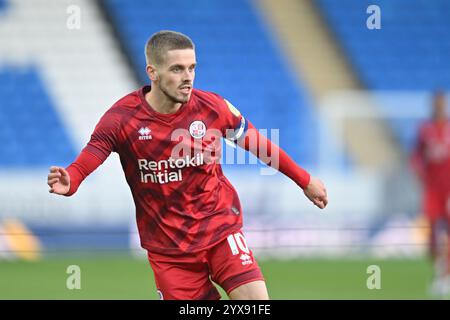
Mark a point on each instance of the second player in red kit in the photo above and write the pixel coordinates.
(431, 161)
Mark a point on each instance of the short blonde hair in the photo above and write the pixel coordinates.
(163, 41)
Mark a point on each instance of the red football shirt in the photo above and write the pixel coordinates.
(432, 155)
(184, 203)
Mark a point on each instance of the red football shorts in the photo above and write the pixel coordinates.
(436, 204)
(230, 264)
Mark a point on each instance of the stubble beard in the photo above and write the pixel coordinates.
(171, 97)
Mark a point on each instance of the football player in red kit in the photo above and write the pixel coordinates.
(189, 216)
(431, 162)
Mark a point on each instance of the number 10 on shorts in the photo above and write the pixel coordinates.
(236, 242)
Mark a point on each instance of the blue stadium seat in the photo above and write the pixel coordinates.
(411, 51)
(31, 133)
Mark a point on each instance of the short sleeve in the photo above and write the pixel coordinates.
(104, 138)
(234, 124)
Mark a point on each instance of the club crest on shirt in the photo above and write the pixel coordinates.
(197, 129)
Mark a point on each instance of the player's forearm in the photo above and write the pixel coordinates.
(417, 164)
(274, 156)
(83, 166)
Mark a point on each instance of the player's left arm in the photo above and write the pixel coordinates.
(245, 135)
(277, 158)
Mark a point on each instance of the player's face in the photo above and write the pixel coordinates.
(440, 107)
(176, 75)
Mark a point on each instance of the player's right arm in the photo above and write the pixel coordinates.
(58, 180)
(417, 159)
(65, 181)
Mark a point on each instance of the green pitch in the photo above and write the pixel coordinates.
(124, 277)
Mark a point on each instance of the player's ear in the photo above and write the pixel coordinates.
(151, 72)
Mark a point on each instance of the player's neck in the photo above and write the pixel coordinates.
(440, 120)
(160, 102)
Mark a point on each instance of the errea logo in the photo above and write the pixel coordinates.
(246, 259)
(145, 133)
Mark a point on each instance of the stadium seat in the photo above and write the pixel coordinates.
(409, 52)
(31, 134)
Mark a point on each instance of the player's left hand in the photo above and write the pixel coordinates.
(317, 193)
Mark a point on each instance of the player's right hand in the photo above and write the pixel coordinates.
(58, 180)
(316, 192)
